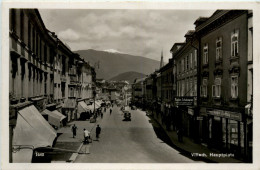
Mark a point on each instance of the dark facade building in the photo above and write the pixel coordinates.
(223, 40)
(167, 93)
(214, 66)
(185, 59)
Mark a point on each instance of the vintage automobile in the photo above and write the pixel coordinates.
(127, 115)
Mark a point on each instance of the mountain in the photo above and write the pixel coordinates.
(128, 76)
(113, 64)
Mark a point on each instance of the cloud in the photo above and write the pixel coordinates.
(138, 32)
(69, 35)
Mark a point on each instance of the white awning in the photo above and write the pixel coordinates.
(60, 115)
(82, 107)
(31, 131)
(54, 117)
(98, 104)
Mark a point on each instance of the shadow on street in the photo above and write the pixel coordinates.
(161, 134)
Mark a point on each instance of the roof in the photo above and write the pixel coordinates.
(189, 33)
(176, 47)
(200, 20)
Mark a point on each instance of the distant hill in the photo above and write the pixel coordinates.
(113, 64)
(128, 76)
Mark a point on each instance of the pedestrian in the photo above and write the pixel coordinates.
(110, 111)
(105, 109)
(98, 130)
(101, 115)
(74, 130)
(86, 136)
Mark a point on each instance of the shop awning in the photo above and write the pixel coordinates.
(82, 107)
(98, 104)
(58, 114)
(31, 131)
(54, 117)
(91, 107)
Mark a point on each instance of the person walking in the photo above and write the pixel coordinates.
(74, 130)
(98, 131)
(110, 111)
(86, 136)
(101, 115)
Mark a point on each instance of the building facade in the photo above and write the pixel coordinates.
(185, 59)
(44, 74)
(223, 68)
(167, 93)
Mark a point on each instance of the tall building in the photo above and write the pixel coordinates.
(45, 78)
(224, 46)
(185, 59)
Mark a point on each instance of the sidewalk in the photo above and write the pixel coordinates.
(70, 145)
(192, 150)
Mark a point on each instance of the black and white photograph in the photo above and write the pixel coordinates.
(129, 84)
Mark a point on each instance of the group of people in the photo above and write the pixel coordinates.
(87, 137)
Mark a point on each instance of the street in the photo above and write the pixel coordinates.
(128, 142)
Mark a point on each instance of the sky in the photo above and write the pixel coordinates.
(143, 33)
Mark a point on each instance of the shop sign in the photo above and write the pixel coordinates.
(226, 114)
(191, 111)
(184, 101)
(199, 118)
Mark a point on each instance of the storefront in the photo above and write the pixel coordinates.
(226, 131)
(83, 111)
(55, 118)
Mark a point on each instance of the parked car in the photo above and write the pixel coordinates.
(127, 115)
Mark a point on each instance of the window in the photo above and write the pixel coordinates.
(191, 61)
(29, 34)
(191, 88)
(45, 53)
(195, 58)
(187, 63)
(203, 88)
(218, 49)
(216, 88)
(13, 20)
(183, 65)
(205, 54)
(182, 87)
(234, 43)
(234, 87)
(22, 25)
(187, 87)
(71, 92)
(195, 87)
(63, 89)
(179, 67)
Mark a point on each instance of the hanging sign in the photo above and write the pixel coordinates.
(184, 101)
